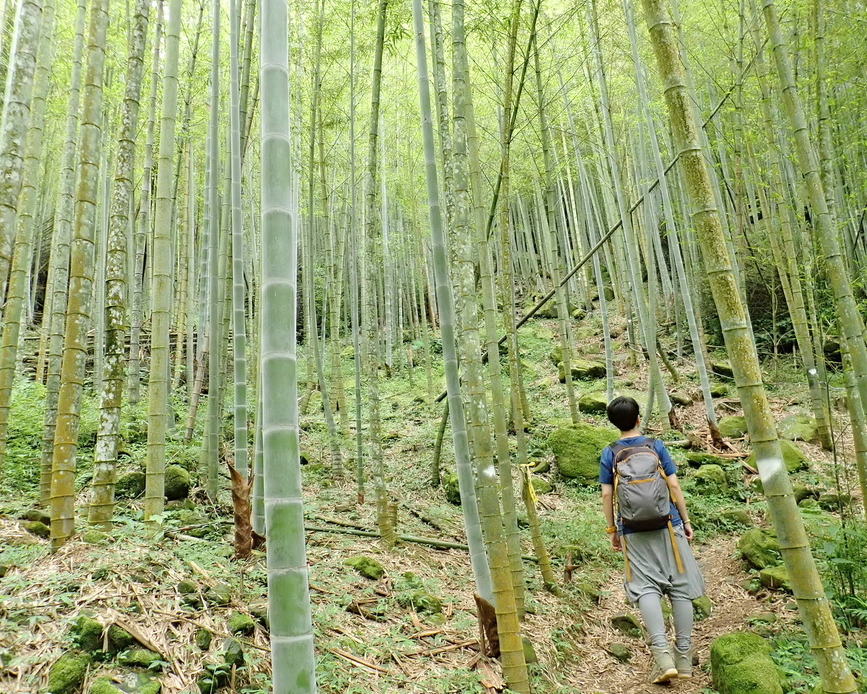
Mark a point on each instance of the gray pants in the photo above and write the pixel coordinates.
(650, 605)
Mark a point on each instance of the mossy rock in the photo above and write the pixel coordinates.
(421, 601)
(181, 505)
(94, 537)
(702, 607)
(4, 569)
(37, 528)
(130, 485)
(556, 354)
(220, 594)
(139, 657)
(628, 624)
(583, 370)
(542, 486)
(820, 524)
(87, 633)
(178, 482)
(103, 685)
(233, 653)
(832, 501)
(711, 479)
(802, 491)
(699, 458)
(763, 618)
(530, 656)
(452, 488)
(775, 578)
(259, 612)
(680, 398)
(36, 514)
(619, 651)
(119, 639)
(577, 448)
(722, 368)
(760, 548)
(593, 403)
(793, 457)
(718, 390)
(734, 427)
(741, 664)
(204, 639)
(240, 623)
(68, 672)
(736, 516)
(367, 567)
(799, 427)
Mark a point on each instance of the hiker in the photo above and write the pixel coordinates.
(652, 529)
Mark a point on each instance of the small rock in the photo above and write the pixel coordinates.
(4, 569)
(119, 639)
(94, 537)
(530, 656)
(775, 578)
(240, 623)
(680, 398)
(583, 369)
(421, 601)
(103, 685)
(367, 567)
(620, 651)
(763, 618)
(718, 390)
(541, 486)
(181, 505)
(722, 368)
(736, 516)
(233, 653)
(203, 639)
(213, 678)
(627, 624)
(186, 587)
(452, 488)
(802, 491)
(138, 657)
(733, 427)
(220, 594)
(799, 427)
(130, 485)
(793, 457)
(260, 614)
(542, 465)
(68, 672)
(702, 607)
(177, 482)
(37, 514)
(711, 479)
(760, 548)
(87, 633)
(37, 528)
(699, 458)
(593, 403)
(832, 501)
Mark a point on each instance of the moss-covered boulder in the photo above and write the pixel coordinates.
(734, 427)
(722, 368)
(577, 448)
(619, 651)
(593, 403)
(139, 657)
(178, 482)
(542, 486)
(452, 488)
(583, 370)
(37, 528)
(760, 548)
(802, 491)
(627, 624)
(820, 524)
(530, 656)
(699, 458)
(556, 354)
(86, 633)
(798, 427)
(220, 594)
(736, 516)
(741, 664)
(718, 390)
(103, 685)
(711, 479)
(240, 623)
(702, 607)
(421, 601)
(367, 567)
(203, 639)
(833, 501)
(67, 674)
(793, 457)
(680, 398)
(775, 578)
(130, 485)
(233, 653)
(119, 639)
(36, 514)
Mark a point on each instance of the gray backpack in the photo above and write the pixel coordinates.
(640, 487)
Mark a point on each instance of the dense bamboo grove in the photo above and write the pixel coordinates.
(175, 225)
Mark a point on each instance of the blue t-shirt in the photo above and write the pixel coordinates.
(606, 471)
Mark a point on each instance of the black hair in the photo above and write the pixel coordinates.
(623, 412)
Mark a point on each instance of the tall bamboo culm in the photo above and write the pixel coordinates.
(806, 585)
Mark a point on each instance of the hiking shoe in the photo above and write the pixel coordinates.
(663, 666)
(683, 663)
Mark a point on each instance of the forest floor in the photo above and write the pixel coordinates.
(167, 585)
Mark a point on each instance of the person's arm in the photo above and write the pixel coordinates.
(608, 511)
(680, 502)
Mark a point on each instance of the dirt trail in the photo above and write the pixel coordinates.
(600, 673)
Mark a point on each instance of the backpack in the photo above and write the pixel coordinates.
(640, 488)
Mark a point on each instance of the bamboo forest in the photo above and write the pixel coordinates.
(329, 329)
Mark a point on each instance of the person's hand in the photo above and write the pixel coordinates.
(688, 531)
(615, 542)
